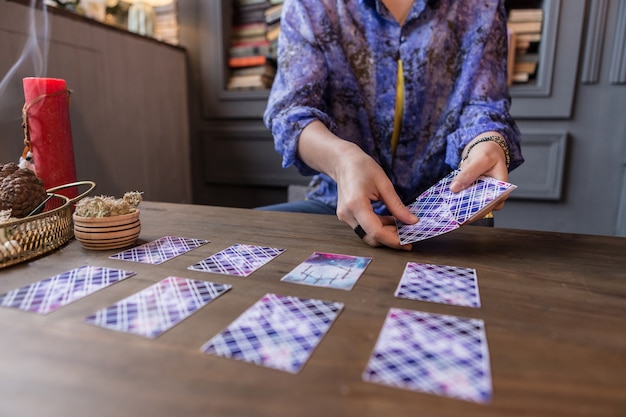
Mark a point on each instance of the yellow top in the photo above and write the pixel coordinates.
(397, 121)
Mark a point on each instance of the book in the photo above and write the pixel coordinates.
(249, 81)
(272, 14)
(247, 61)
(525, 27)
(525, 15)
(246, 2)
(263, 47)
(521, 77)
(269, 69)
(272, 32)
(528, 37)
(527, 67)
(250, 13)
(249, 30)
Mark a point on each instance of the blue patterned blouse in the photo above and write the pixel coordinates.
(337, 63)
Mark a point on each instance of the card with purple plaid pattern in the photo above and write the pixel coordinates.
(240, 260)
(278, 332)
(440, 210)
(160, 250)
(439, 284)
(158, 308)
(431, 353)
(50, 294)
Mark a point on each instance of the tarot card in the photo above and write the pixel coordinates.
(158, 308)
(240, 260)
(278, 332)
(439, 284)
(432, 353)
(50, 294)
(329, 270)
(160, 250)
(441, 211)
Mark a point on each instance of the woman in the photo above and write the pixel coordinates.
(379, 99)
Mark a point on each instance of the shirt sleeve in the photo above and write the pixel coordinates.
(484, 78)
(297, 97)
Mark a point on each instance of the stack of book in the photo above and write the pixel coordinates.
(166, 23)
(254, 39)
(524, 26)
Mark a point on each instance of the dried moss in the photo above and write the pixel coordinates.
(108, 206)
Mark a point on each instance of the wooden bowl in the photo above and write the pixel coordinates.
(103, 233)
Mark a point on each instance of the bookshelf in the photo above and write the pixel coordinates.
(253, 44)
(549, 91)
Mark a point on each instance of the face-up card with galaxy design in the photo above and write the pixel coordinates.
(160, 250)
(439, 284)
(239, 259)
(431, 353)
(156, 309)
(440, 210)
(50, 294)
(278, 332)
(329, 270)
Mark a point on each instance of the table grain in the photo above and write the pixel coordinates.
(554, 307)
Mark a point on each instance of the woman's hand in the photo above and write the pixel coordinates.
(360, 180)
(485, 158)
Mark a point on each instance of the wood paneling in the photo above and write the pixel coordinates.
(541, 177)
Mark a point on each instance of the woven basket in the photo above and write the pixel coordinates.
(36, 235)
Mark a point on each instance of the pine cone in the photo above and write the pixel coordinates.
(20, 190)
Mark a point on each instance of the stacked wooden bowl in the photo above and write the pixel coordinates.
(102, 233)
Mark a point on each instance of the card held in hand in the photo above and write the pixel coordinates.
(278, 332)
(440, 210)
(431, 353)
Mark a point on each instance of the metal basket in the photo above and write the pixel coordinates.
(38, 234)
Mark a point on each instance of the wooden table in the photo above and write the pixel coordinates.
(554, 307)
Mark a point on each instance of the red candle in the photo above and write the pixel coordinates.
(48, 116)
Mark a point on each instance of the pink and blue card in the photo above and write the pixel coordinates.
(278, 332)
(239, 260)
(48, 295)
(441, 211)
(329, 270)
(432, 353)
(158, 308)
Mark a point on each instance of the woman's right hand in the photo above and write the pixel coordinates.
(360, 180)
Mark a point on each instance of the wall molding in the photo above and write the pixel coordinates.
(617, 75)
(593, 41)
(542, 175)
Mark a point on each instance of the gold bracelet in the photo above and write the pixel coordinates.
(496, 139)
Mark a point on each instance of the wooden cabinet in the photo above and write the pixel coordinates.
(572, 129)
